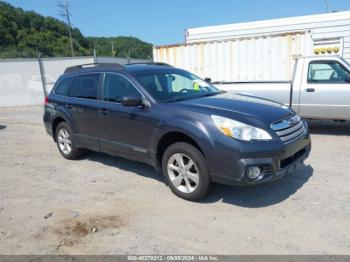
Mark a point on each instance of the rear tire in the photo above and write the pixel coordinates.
(65, 142)
(186, 172)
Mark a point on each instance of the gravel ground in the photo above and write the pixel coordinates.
(107, 205)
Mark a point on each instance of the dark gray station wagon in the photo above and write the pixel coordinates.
(181, 125)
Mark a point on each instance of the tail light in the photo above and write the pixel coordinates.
(46, 100)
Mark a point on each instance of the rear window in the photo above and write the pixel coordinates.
(85, 86)
(63, 86)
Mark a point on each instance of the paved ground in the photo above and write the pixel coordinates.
(106, 205)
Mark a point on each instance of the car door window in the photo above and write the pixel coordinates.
(63, 86)
(85, 86)
(116, 87)
(327, 72)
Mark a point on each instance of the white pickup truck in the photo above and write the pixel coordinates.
(320, 88)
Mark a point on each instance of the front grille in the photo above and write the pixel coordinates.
(289, 128)
(291, 159)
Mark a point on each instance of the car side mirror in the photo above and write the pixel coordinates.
(207, 79)
(132, 101)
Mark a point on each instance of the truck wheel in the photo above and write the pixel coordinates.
(186, 172)
(65, 142)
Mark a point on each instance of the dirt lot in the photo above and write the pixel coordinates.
(106, 205)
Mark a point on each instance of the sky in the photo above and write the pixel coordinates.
(164, 21)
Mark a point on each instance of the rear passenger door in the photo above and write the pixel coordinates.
(82, 107)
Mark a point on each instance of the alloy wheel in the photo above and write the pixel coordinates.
(64, 141)
(183, 173)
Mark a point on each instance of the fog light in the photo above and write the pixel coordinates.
(254, 173)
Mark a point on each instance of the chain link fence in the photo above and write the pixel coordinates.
(24, 82)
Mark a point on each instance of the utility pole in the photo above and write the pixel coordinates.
(113, 52)
(128, 56)
(65, 13)
(95, 57)
(327, 6)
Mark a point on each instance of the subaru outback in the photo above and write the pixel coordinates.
(176, 122)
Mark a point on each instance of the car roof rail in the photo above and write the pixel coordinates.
(150, 63)
(78, 67)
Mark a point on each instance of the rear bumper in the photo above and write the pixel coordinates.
(48, 128)
(275, 163)
(47, 121)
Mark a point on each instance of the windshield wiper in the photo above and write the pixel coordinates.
(211, 94)
(177, 98)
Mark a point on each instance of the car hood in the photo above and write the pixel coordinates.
(239, 106)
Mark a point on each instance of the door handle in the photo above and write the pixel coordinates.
(69, 106)
(310, 89)
(103, 111)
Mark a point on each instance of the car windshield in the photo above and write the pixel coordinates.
(175, 85)
(347, 63)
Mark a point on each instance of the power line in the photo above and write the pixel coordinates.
(108, 28)
(87, 20)
(97, 24)
(94, 23)
(65, 13)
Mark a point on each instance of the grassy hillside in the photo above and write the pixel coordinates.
(25, 33)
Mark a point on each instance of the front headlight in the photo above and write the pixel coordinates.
(238, 130)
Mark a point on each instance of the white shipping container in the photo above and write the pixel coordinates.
(261, 50)
(255, 58)
(329, 32)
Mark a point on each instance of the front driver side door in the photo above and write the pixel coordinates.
(325, 92)
(123, 129)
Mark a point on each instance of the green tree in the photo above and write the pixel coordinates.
(123, 46)
(26, 33)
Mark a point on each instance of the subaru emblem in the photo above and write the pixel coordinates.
(293, 120)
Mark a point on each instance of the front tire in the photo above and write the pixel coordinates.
(65, 142)
(185, 170)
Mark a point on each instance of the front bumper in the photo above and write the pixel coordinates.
(275, 159)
